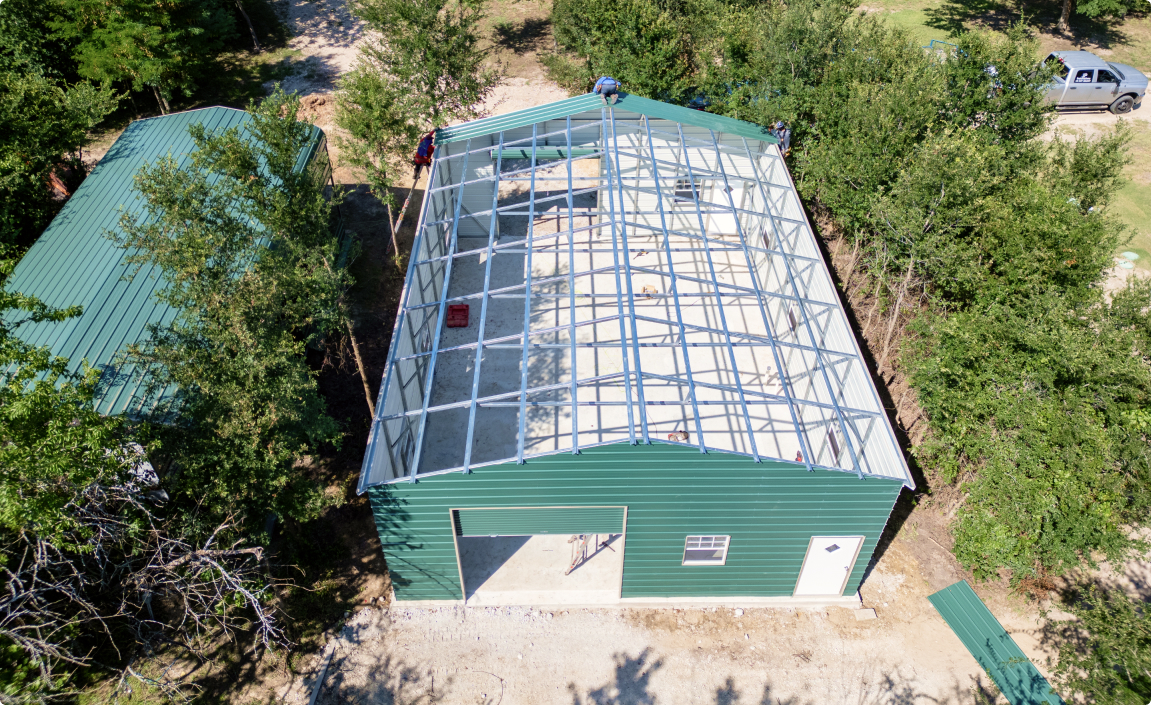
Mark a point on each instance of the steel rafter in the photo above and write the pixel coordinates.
(571, 294)
(492, 227)
(527, 309)
(642, 142)
(714, 278)
(439, 329)
(807, 327)
(679, 320)
(618, 287)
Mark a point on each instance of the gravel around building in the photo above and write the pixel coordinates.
(514, 655)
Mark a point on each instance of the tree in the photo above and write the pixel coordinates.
(27, 44)
(162, 46)
(651, 47)
(243, 241)
(43, 127)
(1093, 9)
(424, 69)
(1105, 653)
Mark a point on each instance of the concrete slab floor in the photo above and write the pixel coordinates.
(529, 570)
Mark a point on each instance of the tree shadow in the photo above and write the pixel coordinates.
(522, 37)
(957, 16)
(631, 685)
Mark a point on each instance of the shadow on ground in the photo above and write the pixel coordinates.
(957, 16)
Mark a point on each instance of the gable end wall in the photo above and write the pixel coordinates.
(770, 510)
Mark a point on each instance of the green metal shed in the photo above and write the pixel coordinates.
(656, 389)
(75, 263)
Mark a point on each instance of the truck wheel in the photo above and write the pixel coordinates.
(1123, 105)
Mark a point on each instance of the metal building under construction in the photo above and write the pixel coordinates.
(653, 393)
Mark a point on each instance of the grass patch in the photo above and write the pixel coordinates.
(1132, 204)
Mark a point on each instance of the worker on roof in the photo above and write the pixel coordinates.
(423, 155)
(607, 87)
(782, 133)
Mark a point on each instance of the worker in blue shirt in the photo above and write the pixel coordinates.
(607, 87)
(782, 133)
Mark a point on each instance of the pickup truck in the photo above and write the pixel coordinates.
(1084, 81)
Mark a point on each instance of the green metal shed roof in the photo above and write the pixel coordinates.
(75, 263)
(993, 647)
(592, 101)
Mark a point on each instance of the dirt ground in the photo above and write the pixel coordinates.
(514, 655)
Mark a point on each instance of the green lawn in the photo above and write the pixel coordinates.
(1133, 203)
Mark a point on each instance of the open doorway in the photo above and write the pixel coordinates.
(580, 569)
(540, 555)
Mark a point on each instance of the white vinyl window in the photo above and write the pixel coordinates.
(705, 550)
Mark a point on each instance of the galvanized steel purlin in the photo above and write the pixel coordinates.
(378, 426)
(618, 288)
(506, 338)
(714, 280)
(554, 236)
(439, 330)
(571, 293)
(483, 310)
(807, 326)
(744, 289)
(502, 395)
(522, 439)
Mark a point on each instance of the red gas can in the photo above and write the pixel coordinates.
(457, 316)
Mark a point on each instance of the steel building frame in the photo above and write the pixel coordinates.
(626, 174)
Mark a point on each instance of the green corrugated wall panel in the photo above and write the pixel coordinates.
(770, 510)
(592, 102)
(528, 521)
(74, 263)
(993, 648)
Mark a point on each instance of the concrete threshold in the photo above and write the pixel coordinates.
(781, 602)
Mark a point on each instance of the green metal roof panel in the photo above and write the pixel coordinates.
(993, 648)
(75, 263)
(592, 101)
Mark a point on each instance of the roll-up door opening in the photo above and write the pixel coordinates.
(540, 555)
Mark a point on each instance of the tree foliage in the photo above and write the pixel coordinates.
(162, 46)
(243, 241)
(1033, 384)
(43, 126)
(423, 69)
(1105, 653)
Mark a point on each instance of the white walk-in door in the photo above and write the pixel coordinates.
(828, 562)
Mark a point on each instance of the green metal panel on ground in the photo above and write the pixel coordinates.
(770, 509)
(592, 102)
(75, 263)
(993, 648)
(532, 521)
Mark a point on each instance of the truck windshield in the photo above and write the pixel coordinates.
(1117, 72)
